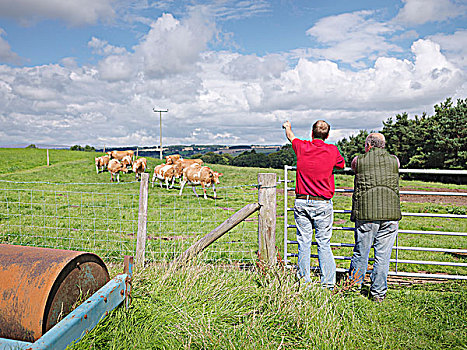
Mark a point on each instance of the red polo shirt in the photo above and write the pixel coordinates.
(315, 162)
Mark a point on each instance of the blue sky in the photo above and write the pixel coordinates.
(230, 72)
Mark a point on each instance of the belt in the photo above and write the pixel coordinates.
(310, 197)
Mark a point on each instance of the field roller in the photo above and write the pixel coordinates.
(40, 286)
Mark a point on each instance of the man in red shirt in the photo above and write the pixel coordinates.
(313, 205)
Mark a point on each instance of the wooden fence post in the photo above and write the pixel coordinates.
(142, 219)
(47, 157)
(267, 218)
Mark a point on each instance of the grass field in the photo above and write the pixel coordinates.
(210, 306)
(202, 306)
(68, 205)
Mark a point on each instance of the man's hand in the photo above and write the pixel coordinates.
(288, 131)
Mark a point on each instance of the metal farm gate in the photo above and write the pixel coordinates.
(435, 251)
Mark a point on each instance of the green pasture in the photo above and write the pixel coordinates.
(218, 306)
(68, 205)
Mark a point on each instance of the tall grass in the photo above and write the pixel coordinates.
(207, 307)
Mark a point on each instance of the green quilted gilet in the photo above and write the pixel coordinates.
(376, 187)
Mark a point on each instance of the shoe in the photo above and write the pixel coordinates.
(378, 299)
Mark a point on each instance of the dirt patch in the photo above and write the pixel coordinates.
(436, 199)
(460, 200)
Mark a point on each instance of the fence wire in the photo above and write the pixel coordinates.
(105, 221)
(176, 222)
(102, 223)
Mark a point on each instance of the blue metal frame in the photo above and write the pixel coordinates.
(84, 318)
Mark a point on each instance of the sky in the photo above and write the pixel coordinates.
(92, 72)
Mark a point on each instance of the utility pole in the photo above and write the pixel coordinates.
(160, 127)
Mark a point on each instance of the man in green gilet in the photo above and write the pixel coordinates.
(376, 211)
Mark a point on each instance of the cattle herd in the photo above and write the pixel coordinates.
(187, 171)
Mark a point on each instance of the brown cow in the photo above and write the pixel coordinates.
(127, 161)
(185, 163)
(120, 154)
(172, 158)
(200, 175)
(139, 166)
(164, 172)
(101, 163)
(115, 167)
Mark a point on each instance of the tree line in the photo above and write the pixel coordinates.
(424, 142)
(86, 148)
(252, 158)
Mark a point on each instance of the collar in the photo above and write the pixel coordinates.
(318, 142)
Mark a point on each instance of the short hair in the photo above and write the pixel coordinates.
(321, 130)
(375, 139)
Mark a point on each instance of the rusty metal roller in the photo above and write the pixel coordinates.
(40, 286)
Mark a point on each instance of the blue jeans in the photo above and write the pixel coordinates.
(315, 214)
(381, 234)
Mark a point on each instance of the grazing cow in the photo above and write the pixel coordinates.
(139, 166)
(172, 158)
(101, 163)
(120, 154)
(200, 175)
(181, 164)
(164, 172)
(127, 161)
(115, 167)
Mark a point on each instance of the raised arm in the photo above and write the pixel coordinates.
(288, 131)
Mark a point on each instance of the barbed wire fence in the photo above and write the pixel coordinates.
(103, 219)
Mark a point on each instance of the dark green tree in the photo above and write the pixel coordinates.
(196, 156)
(88, 148)
(402, 137)
(251, 159)
(445, 145)
(285, 156)
(352, 147)
(214, 158)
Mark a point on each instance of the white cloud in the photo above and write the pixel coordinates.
(222, 97)
(102, 47)
(390, 81)
(6, 55)
(455, 46)
(172, 46)
(114, 68)
(351, 38)
(225, 10)
(70, 11)
(416, 12)
(248, 67)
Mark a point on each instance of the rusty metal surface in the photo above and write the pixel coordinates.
(40, 286)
